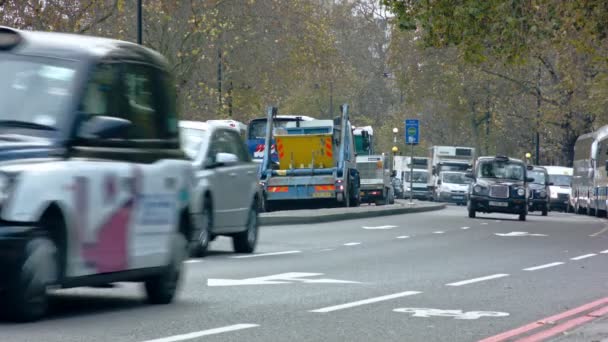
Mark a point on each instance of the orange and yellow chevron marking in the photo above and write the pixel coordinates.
(278, 188)
(325, 187)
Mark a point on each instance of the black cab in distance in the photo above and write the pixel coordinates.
(500, 185)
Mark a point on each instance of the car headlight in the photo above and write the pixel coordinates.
(408, 189)
(521, 192)
(477, 189)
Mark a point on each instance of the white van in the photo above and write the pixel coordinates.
(560, 177)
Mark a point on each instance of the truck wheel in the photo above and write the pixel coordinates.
(522, 216)
(161, 288)
(545, 212)
(26, 299)
(245, 241)
(203, 235)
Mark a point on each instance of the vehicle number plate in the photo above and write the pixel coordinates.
(499, 204)
(458, 197)
(323, 194)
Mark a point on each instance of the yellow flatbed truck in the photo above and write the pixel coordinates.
(316, 162)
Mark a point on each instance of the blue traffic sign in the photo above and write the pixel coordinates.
(412, 131)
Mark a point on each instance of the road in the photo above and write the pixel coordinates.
(357, 281)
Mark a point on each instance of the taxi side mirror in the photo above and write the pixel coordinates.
(529, 180)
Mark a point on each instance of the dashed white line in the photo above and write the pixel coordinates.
(476, 280)
(403, 237)
(327, 250)
(379, 227)
(197, 334)
(540, 267)
(604, 252)
(265, 254)
(365, 301)
(484, 223)
(580, 257)
(439, 232)
(352, 243)
(192, 261)
(465, 228)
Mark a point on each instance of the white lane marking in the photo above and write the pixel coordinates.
(265, 254)
(518, 234)
(327, 250)
(202, 333)
(604, 252)
(365, 301)
(580, 257)
(456, 314)
(403, 237)
(484, 223)
(476, 280)
(379, 227)
(465, 228)
(352, 243)
(282, 278)
(192, 261)
(540, 267)
(600, 232)
(439, 232)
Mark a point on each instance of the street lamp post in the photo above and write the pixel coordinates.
(139, 22)
(395, 149)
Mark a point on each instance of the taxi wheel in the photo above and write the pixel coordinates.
(245, 241)
(472, 213)
(26, 300)
(545, 211)
(161, 288)
(522, 216)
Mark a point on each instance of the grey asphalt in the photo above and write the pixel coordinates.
(420, 252)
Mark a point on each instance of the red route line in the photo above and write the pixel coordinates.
(543, 322)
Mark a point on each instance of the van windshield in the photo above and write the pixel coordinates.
(560, 180)
(539, 176)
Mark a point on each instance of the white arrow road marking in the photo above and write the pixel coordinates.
(352, 243)
(580, 257)
(518, 234)
(366, 301)
(476, 280)
(264, 254)
(456, 314)
(282, 278)
(379, 227)
(202, 333)
(553, 264)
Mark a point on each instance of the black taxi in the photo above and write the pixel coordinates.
(500, 184)
(539, 190)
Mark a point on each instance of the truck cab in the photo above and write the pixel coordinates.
(375, 180)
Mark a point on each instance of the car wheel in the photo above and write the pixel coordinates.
(203, 236)
(26, 299)
(161, 288)
(245, 242)
(522, 216)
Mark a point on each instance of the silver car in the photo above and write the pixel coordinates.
(225, 199)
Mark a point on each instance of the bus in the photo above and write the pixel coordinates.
(589, 181)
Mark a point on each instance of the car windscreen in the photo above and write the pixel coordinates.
(35, 92)
(455, 178)
(560, 180)
(419, 177)
(501, 169)
(191, 140)
(539, 176)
